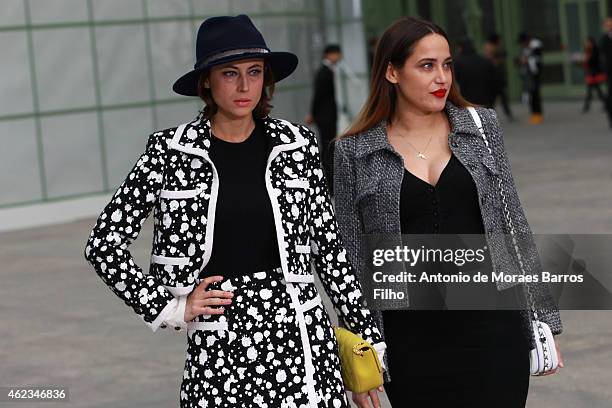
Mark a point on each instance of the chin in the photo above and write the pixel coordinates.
(439, 105)
(239, 113)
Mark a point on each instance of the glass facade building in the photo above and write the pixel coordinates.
(84, 82)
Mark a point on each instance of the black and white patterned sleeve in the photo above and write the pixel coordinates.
(119, 225)
(334, 270)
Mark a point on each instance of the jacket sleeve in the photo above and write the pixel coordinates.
(334, 270)
(119, 225)
(349, 222)
(544, 303)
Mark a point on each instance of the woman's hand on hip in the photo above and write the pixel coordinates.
(202, 301)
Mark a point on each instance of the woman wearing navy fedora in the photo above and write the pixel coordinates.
(241, 211)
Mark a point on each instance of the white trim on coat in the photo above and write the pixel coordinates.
(207, 326)
(310, 304)
(299, 278)
(212, 203)
(169, 260)
(280, 235)
(174, 143)
(210, 219)
(308, 366)
(177, 194)
(302, 249)
(297, 183)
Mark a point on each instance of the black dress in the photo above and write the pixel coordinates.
(458, 358)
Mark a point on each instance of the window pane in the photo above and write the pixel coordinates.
(543, 24)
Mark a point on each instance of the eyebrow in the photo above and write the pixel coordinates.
(434, 59)
(256, 65)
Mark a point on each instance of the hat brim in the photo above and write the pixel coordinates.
(281, 63)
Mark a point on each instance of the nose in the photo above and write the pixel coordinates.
(243, 84)
(442, 75)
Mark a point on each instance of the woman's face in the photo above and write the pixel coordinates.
(236, 86)
(426, 77)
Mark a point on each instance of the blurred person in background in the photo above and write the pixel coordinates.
(594, 75)
(414, 162)
(493, 50)
(530, 62)
(239, 198)
(476, 75)
(324, 108)
(606, 53)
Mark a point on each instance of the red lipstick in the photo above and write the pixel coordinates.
(439, 93)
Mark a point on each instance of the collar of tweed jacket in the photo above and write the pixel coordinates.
(375, 139)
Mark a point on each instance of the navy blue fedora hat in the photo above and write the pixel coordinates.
(224, 39)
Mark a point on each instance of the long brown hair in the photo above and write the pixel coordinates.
(263, 107)
(395, 46)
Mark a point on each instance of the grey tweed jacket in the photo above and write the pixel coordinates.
(367, 180)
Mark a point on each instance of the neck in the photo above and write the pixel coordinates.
(232, 129)
(409, 120)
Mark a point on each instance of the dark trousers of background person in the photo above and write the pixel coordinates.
(535, 98)
(327, 132)
(589, 94)
(609, 104)
(503, 98)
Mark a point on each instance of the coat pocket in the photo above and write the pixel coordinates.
(366, 203)
(302, 183)
(175, 273)
(179, 194)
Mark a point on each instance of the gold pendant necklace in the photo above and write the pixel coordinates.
(419, 154)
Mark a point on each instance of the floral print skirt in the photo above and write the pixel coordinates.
(274, 346)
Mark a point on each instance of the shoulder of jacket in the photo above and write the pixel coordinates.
(302, 130)
(347, 145)
(488, 116)
(161, 138)
(491, 124)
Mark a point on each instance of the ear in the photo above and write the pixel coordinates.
(391, 74)
(206, 84)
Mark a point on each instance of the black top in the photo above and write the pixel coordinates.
(244, 238)
(449, 207)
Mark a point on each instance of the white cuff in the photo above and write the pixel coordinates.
(176, 318)
(380, 350)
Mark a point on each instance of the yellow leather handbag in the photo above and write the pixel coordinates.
(359, 364)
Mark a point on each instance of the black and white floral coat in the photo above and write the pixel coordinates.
(177, 180)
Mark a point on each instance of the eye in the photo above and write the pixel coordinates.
(427, 65)
(255, 72)
(229, 74)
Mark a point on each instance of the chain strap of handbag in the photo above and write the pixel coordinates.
(541, 335)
